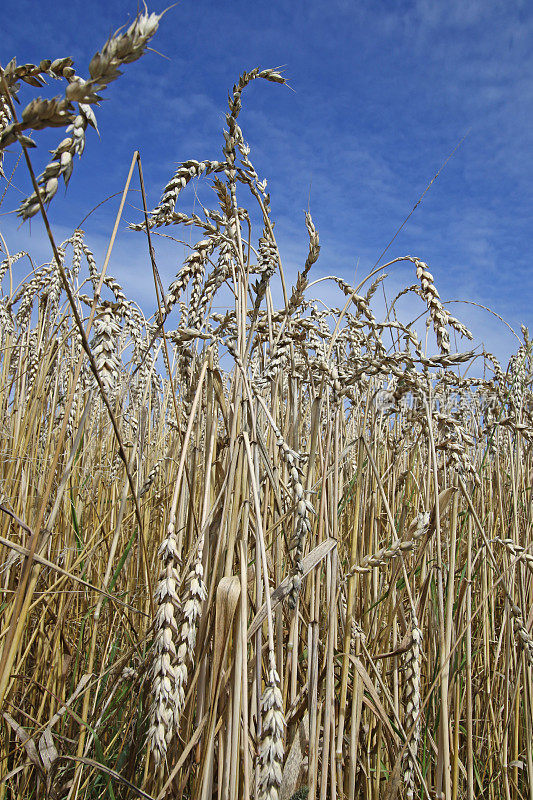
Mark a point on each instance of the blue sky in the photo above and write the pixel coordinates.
(381, 94)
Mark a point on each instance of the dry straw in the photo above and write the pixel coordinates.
(248, 551)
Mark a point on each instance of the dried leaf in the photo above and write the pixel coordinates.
(310, 562)
(47, 749)
(228, 593)
(27, 741)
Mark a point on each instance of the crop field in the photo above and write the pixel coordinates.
(251, 546)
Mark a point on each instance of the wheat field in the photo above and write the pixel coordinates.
(274, 551)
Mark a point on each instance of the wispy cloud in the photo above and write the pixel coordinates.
(381, 93)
